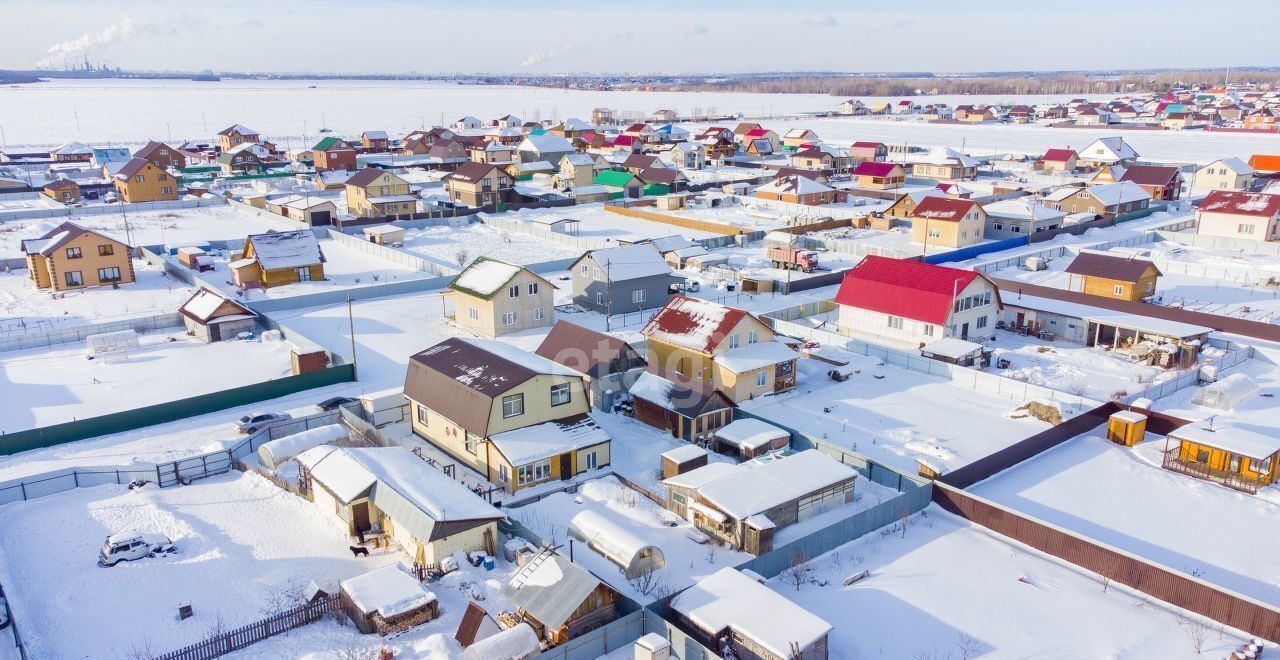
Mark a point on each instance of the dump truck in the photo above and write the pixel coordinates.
(793, 259)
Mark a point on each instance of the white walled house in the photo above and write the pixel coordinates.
(1229, 214)
(1223, 174)
(912, 303)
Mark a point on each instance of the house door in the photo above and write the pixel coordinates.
(1022, 317)
(360, 517)
(964, 331)
(566, 466)
(215, 332)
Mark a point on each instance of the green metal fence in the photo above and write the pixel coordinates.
(128, 420)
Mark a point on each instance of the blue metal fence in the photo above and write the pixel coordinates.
(976, 250)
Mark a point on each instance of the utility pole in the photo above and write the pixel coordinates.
(608, 294)
(351, 328)
(204, 122)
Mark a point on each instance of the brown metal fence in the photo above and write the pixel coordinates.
(244, 636)
(1173, 587)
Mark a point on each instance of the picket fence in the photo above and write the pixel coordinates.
(244, 636)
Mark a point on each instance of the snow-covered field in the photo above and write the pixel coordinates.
(177, 227)
(1123, 497)
(446, 245)
(51, 386)
(242, 542)
(1072, 368)
(896, 416)
(344, 268)
(949, 589)
(26, 309)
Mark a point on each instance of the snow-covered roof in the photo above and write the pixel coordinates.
(1112, 149)
(757, 486)
(73, 149)
(513, 643)
(617, 543)
(702, 476)
(382, 230)
(1105, 316)
(755, 356)
(337, 470)
(1022, 208)
(684, 453)
(426, 487)
(730, 599)
(484, 277)
(1123, 192)
(1234, 164)
(630, 262)
(693, 323)
(389, 591)
(550, 588)
(951, 347)
(205, 303)
(1234, 439)
(289, 446)
(750, 433)
(286, 249)
(534, 443)
(947, 156)
(543, 143)
(794, 184)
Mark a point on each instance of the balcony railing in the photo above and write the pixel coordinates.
(1240, 482)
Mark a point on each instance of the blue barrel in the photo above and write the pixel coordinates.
(488, 562)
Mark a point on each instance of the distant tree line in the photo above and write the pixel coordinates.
(1066, 83)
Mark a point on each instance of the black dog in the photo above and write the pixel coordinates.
(357, 551)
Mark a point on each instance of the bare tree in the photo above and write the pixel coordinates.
(797, 571)
(904, 516)
(1197, 631)
(968, 646)
(653, 583)
(461, 256)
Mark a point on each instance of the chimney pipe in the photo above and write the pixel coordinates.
(571, 550)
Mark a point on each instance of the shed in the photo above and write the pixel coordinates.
(559, 598)
(682, 459)
(211, 316)
(616, 543)
(274, 453)
(476, 625)
(384, 234)
(734, 612)
(1126, 427)
(750, 437)
(386, 600)
(195, 258)
(1226, 393)
(516, 643)
(953, 350)
(558, 225)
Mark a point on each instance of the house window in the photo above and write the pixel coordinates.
(513, 291)
(981, 322)
(1261, 465)
(504, 474)
(539, 314)
(73, 278)
(595, 273)
(935, 233)
(895, 322)
(473, 314)
(1234, 464)
(73, 253)
(512, 406)
(928, 329)
(509, 318)
(535, 472)
(109, 274)
(593, 461)
(106, 250)
(162, 177)
(422, 415)
(639, 295)
(166, 191)
(471, 443)
(751, 337)
(304, 274)
(1119, 290)
(1202, 456)
(533, 288)
(139, 178)
(584, 270)
(559, 394)
(761, 378)
(599, 297)
(1245, 228)
(733, 341)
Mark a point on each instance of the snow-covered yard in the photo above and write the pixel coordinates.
(1072, 368)
(949, 589)
(175, 227)
(897, 240)
(1123, 497)
(603, 228)
(53, 385)
(896, 416)
(26, 309)
(446, 245)
(243, 543)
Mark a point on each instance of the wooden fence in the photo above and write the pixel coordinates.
(244, 636)
(678, 221)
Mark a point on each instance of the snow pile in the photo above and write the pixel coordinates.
(275, 452)
(750, 433)
(389, 591)
(515, 643)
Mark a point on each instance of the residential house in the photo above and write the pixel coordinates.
(748, 438)
(1234, 456)
(72, 257)
(1161, 182)
(559, 599)
(309, 209)
(1112, 276)
(578, 170)
(162, 155)
(683, 406)
(745, 504)
(516, 418)
(905, 205)
(1107, 151)
(603, 116)
(211, 316)
(756, 134)
(733, 613)
(863, 151)
(852, 107)
(546, 146)
(718, 147)
(722, 347)
(493, 298)
(246, 157)
(1058, 160)
(798, 138)
(506, 135)
(278, 257)
(448, 150)
(65, 191)
(1266, 117)
(139, 180)
(1111, 200)
(508, 121)
(948, 222)
(480, 184)
(1230, 214)
(375, 141)
(759, 148)
(661, 116)
(914, 303)
(1023, 216)
(740, 131)
(619, 183)
(491, 152)
(467, 123)
(72, 152)
(1265, 163)
(796, 189)
(1223, 174)
(685, 155)
(419, 142)
(946, 165)
(622, 279)
(333, 153)
(608, 365)
(1094, 116)
(429, 514)
(813, 158)
(878, 175)
(234, 136)
(377, 193)
(660, 179)
(639, 130)
(634, 163)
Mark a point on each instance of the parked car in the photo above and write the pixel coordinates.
(128, 546)
(110, 198)
(334, 403)
(253, 421)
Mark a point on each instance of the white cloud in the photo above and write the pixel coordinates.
(695, 30)
(122, 30)
(546, 55)
(820, 20)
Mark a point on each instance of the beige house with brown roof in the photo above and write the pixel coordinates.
(375, 193)
(948, 222)
(72, 257)
(493, 298)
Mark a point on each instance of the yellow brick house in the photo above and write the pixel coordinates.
(278, 257)
(375, 193)
(72, 257)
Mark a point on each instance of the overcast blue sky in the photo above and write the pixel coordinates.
(665, 36)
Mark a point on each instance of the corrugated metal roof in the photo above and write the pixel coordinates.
(550, 588)
(910, 289)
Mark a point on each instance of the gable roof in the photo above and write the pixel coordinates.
(484, 277)
(368, 175)
(132, 167)
(1265, 162)
(948, 209)
(1234, 164)
(1059, 155)
(150, 148)
(332, 142)
(238, 128)
(545, 143)
(1115, 147)
(286, 249)
(550, 588)
(584, 350)
(613, 178)
(1241, 203)
(794, 184)
(659, 175)
(59, 236)
(1111, 267)
(1150, 175)
(628, 262)
(730, 599)
(872, 168)
(911, 289)
(693, 323)
(203, 304)
(471, 171)
(678, 393)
